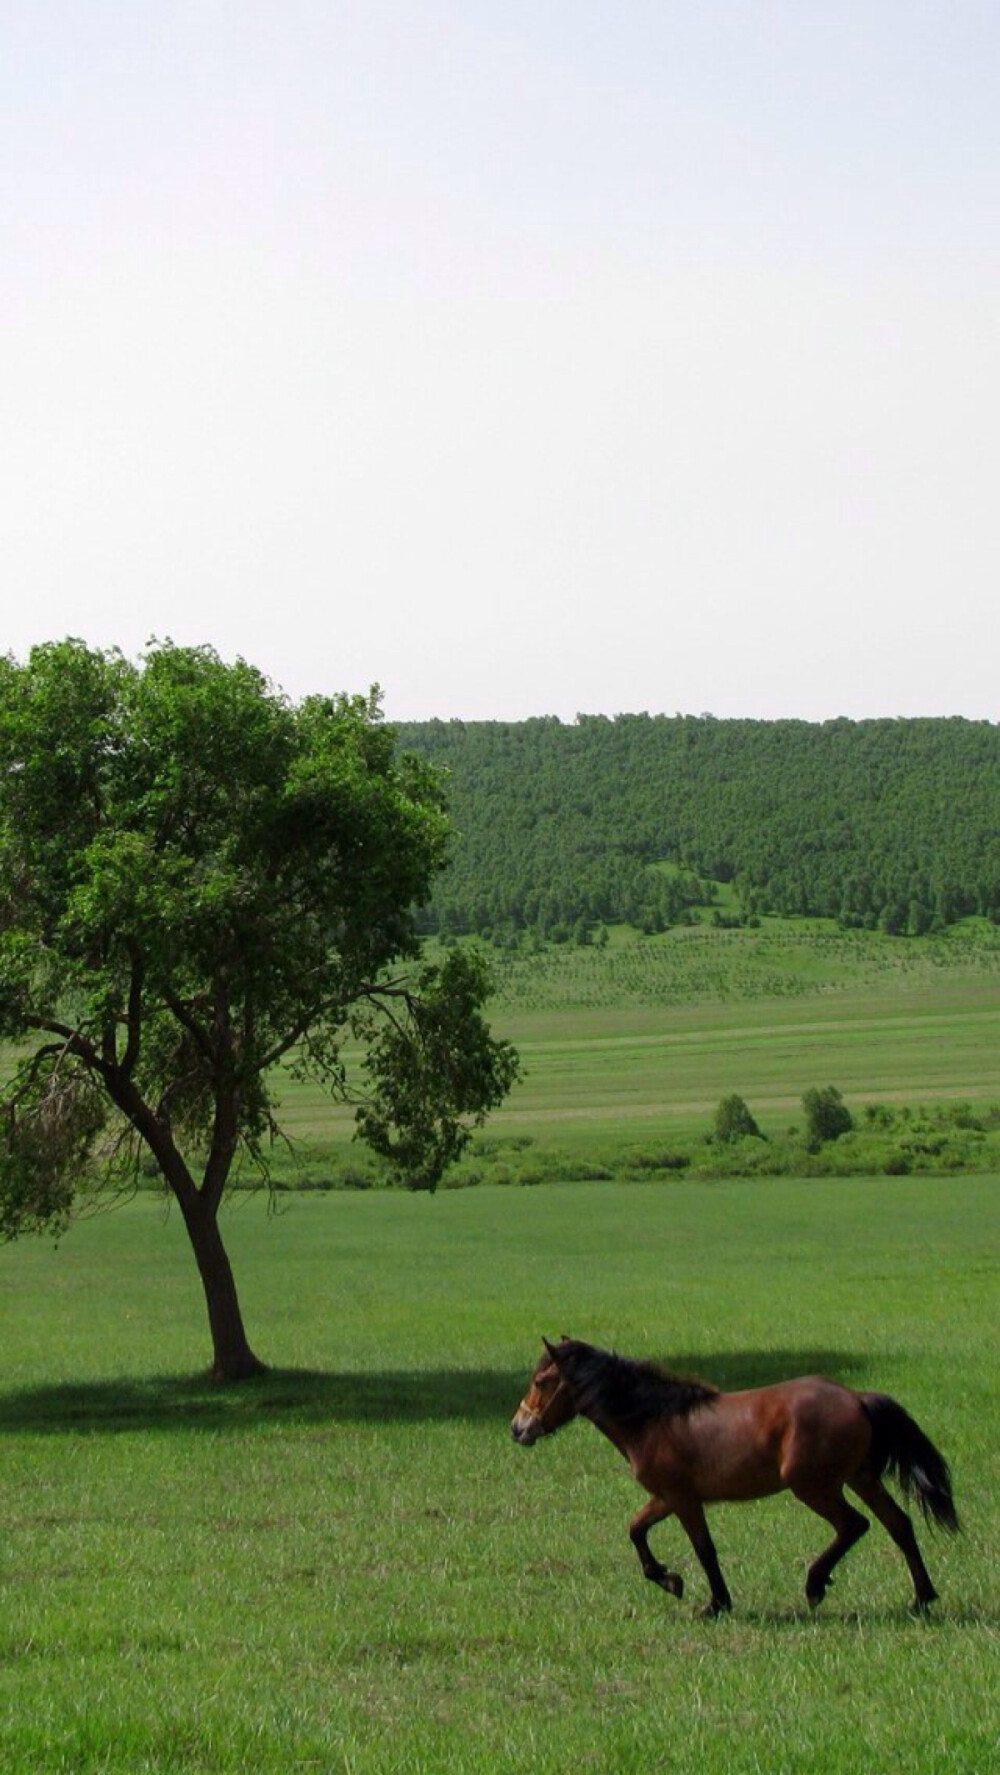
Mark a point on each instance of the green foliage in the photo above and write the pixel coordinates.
(650, 1159)
(733, 1121)
(827, 1115)
(436, 1076)
(891, 824)
(52, 1119)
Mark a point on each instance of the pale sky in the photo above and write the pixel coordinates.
(526, 357)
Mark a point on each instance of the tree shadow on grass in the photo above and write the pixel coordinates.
(305, 1396)
(282, 1395)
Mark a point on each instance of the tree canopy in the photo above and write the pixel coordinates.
(199, 879)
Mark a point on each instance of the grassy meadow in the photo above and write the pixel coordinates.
(638, 1042)
(350, 1566)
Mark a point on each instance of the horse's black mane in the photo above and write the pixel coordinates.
(625, 1389)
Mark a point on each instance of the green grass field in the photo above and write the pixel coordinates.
(350, 1566)
(641, 1041)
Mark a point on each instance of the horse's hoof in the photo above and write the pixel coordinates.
(920, 1607)
(672, 1582)
(715, 1608)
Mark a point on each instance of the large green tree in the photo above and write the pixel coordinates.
(198, 880)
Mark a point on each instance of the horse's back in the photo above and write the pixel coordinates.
(763, 1439)
(785, 1403)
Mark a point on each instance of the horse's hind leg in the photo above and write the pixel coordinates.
(692, 1519)
(639, 1527)
(896, 1523)
(849, 1524)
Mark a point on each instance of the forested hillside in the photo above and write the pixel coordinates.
(889, 823)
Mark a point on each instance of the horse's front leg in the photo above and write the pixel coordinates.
(639, 1527)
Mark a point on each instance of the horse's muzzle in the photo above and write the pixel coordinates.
(525, 1427)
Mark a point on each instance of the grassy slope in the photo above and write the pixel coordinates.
(646, 1037)
(352, 1568)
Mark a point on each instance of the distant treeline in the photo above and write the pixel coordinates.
(562, 828)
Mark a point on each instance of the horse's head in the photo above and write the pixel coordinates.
(549, 1401)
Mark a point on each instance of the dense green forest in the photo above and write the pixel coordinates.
(562, 828)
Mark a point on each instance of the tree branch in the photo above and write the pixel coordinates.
(133, 1018)
(282, 1047)
(175, 1088)
(373, 991)
(73, 1043)
(134, 1108)
(24, 1078)
(376, 994)
(198, 1034)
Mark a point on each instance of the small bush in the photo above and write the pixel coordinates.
(827, 1115)
(733, 1121)
(583, 1171)
(961, 1116)
(462, 1177)
(663, 1159)
(487, 1145)
(342, 1177)
(879, 1115)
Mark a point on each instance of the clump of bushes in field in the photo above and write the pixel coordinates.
(883, 1139)
(878, 1139)
(652, 1159)
(830, 1140)
(887, 1139)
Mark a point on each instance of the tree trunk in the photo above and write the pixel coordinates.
(233, 1359)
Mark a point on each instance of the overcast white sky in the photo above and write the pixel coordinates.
(525, 356)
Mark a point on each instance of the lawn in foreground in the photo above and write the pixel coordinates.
(351, 1567)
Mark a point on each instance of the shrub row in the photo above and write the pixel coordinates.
(888, 1139)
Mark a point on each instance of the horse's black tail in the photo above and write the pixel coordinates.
(900, 1448)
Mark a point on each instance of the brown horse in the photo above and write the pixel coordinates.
(689, 1445)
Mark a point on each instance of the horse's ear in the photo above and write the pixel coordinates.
(551, 1349)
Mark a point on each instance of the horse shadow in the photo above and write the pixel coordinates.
(733, 1370)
